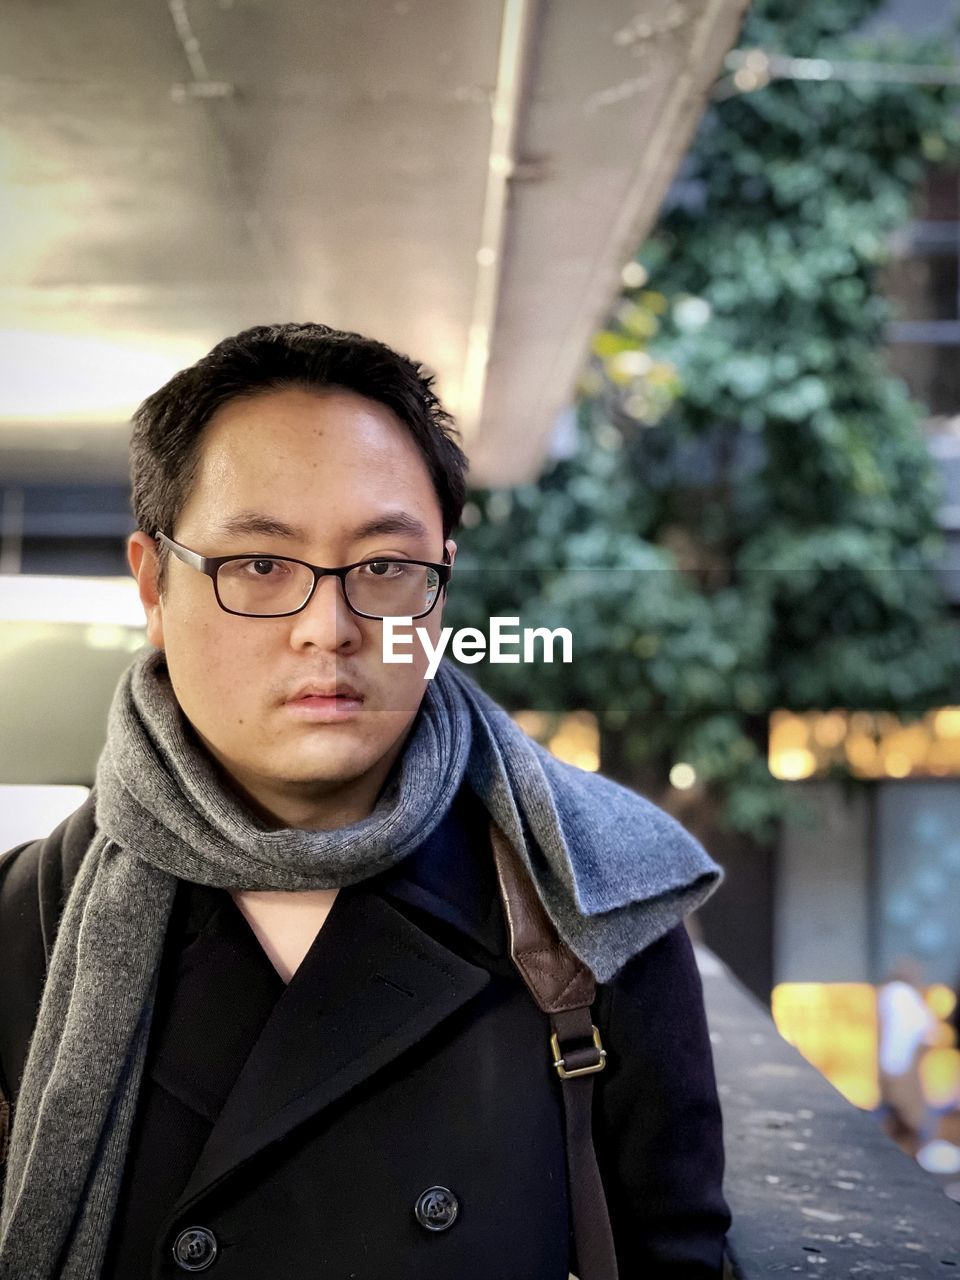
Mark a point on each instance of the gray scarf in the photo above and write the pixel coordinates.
(613, 871)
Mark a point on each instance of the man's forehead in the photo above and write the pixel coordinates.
(261, 475)
(285, 434)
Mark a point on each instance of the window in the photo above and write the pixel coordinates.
(923, 284)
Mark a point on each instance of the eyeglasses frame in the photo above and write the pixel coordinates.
(210, 566)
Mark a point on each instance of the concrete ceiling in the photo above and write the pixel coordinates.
(463, 179)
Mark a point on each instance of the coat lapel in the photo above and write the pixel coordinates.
(215, 1003)
(372, 986)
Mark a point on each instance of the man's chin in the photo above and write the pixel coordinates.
(322, 772)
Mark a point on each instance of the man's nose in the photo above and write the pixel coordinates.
(326, 622)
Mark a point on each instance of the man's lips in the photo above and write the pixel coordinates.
(320, 702)
(339, 689)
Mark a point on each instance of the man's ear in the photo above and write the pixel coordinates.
(142, 558)
(449, 555)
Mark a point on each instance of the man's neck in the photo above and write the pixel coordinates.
(285, 923)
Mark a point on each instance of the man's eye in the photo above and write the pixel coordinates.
(385, 568)
(261, 568)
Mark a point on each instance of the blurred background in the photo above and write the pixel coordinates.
(689, 276)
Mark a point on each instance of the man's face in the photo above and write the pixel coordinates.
(328, 477)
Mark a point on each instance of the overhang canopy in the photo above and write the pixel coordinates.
(461, 179)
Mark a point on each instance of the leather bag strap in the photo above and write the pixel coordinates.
(564, 988)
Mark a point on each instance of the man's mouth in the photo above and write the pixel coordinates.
(338, 701)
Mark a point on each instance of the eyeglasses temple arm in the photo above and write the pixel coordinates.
(183, 553)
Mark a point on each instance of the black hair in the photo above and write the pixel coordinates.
(167, 427)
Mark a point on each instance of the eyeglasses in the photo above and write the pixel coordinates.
(278, 586)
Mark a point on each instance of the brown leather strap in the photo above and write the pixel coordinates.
(596, 1257)
(564, 988)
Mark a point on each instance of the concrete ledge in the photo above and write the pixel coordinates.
(814, 1185)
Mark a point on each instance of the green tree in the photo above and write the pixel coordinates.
(748, 520)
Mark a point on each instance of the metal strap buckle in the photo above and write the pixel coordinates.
(560, 1063)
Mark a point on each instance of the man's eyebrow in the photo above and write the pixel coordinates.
(258, 523)
(391, 522)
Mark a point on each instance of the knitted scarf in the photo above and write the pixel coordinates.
(613, 871)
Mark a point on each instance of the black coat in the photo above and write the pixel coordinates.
(295, 1130)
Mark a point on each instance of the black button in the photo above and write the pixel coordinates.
(437, 1208)
(195, 1249)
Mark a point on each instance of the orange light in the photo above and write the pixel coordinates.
(946, 722)
(940, 1077)
(871, 745)
(834, 1025)
(573, 737)
(941, 999)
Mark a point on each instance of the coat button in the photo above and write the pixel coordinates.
(437, 1208)
(195, 1249)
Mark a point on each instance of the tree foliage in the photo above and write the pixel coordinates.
(748, 518)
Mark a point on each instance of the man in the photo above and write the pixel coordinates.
(281, 1032)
